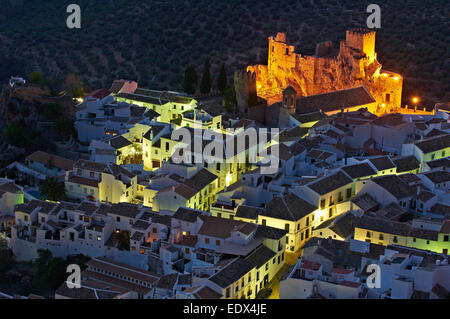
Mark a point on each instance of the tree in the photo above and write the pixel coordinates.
(14, 135)
(205, 84)
(190, 80)
(44, 257)
(64, 128)
(6, 260)
(124, 240)
(222, 79)
(51, 110)
(74, 84)
(229, 99)
(36, 77)
(56, 272)
(52, 190)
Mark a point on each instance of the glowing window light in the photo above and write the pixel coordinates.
(228, 180)
(415, 99)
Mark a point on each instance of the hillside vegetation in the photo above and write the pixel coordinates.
(154, 41)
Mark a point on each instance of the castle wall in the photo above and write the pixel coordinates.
(355, 65)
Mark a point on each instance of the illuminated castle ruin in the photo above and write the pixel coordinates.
(354, 64)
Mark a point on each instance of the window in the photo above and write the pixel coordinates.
(330, 212)
(25, 217)
(155, 230)
(446, 238)
(91, 174)
(381, 237)
(443, 153)
(322, 204)
(428, 242)
(267, 266)
(286, 227)
(187, 250)
(118, 219)
(395, 239)
(263, 222)
(368, 234)
(99, 238)
(206, 240)
(217, 242)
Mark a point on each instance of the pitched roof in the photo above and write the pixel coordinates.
(187, 214)
(53, 160)
(365, 202)
(231, 273)
(330, 183)
(442, 162)
(119, 141)
(441, 209)
(202, 178)
(270, 232)
(438, 177)
(125, 210)
(382, 163)
(335, 100)
(394, 185)
(249, 212)
(260, 256)
(359, 170)
(288, 207)
(387, 226)
(406, 163)
(89, 165)
(222, 228)
(433, 144)
(206, 293)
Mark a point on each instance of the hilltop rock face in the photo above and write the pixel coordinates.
(354, 64)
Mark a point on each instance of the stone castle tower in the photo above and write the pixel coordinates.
(245, 86)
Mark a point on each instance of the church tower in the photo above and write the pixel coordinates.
(289, 99)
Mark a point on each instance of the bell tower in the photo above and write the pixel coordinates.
(289, 99)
